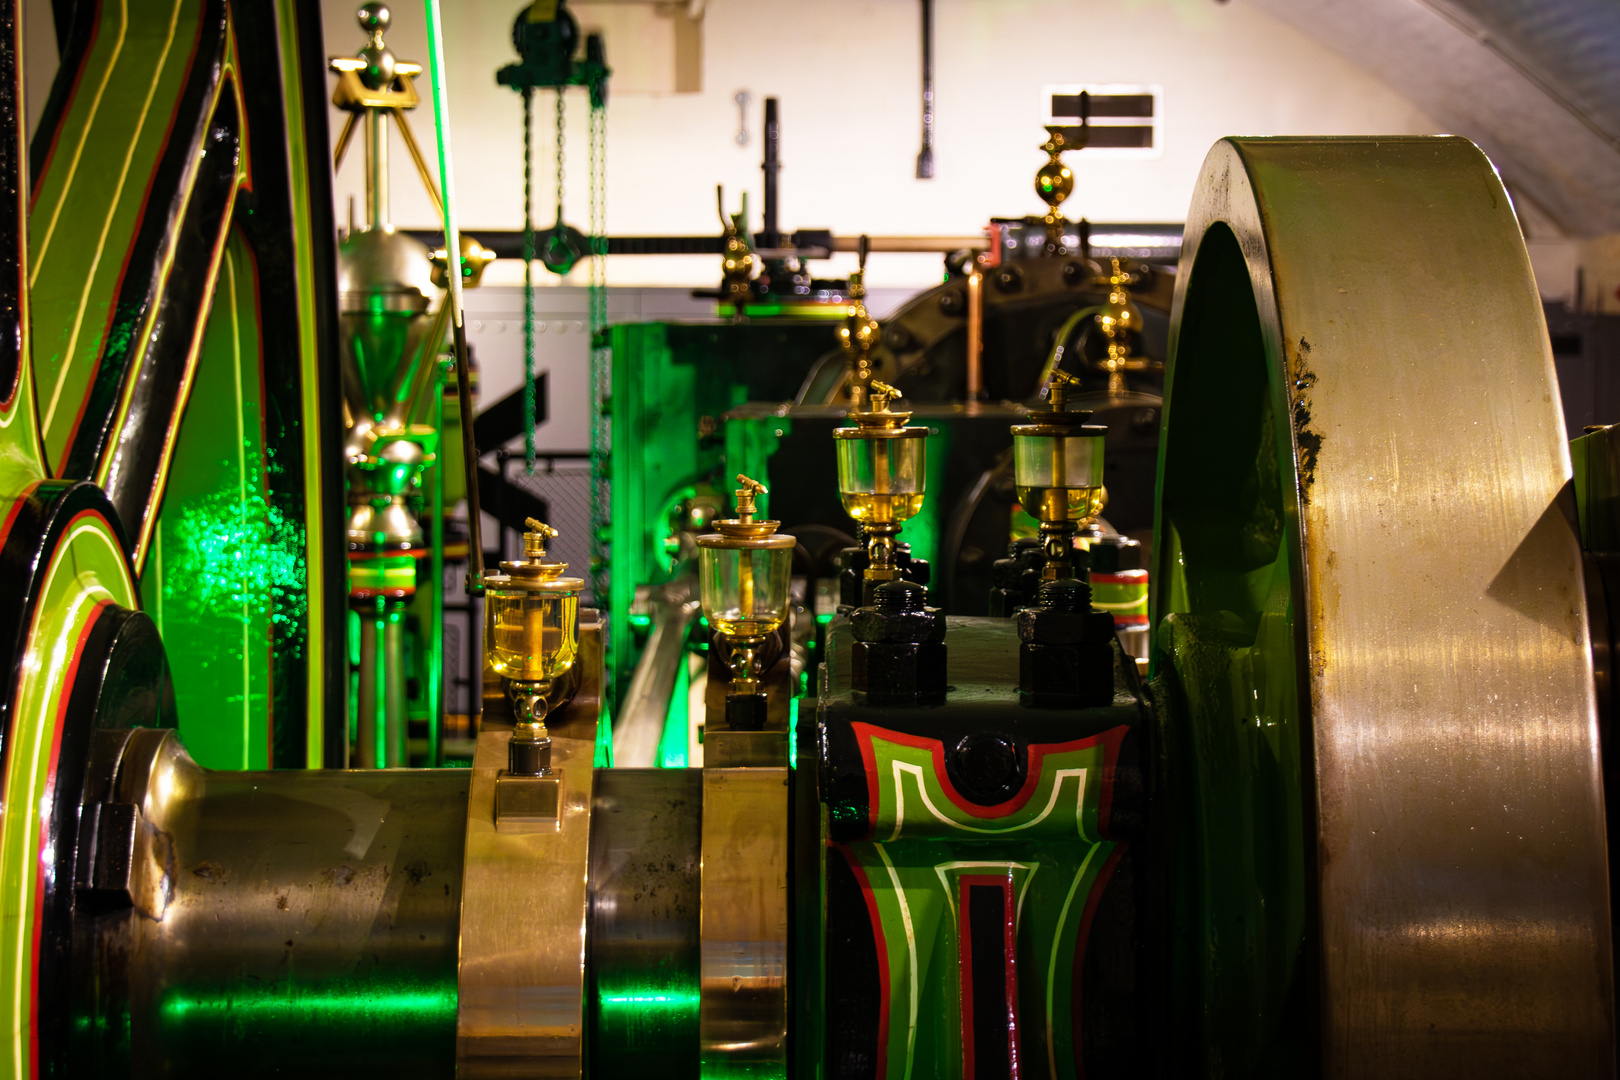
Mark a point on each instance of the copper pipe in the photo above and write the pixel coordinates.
(975, 335)
(911, 243)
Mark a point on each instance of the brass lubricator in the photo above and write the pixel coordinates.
(531, 639)
(1058, 471)
(391, 337)
(859, 335)
(1120, 320)
(743, 574)
(882, 477)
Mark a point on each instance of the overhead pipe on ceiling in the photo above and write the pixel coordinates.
(925, 158)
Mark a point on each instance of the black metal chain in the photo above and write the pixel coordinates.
(600, 387)
(560, 102)
(528, 280)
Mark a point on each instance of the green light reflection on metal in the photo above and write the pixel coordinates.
(671, 1001)
(362, 1005)
(793, 733)
(672, 748)
(230, 553)
(604, 741)
(646, 1017)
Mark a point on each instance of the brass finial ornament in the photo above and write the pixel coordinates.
(743, 572)
(376, 85)
(1058, 472)
(1054, 183)
(1120, 320)
(859, 334)
(737, 261)
(882, 476)
(531, 639)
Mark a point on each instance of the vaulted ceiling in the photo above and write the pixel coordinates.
(1536, 83)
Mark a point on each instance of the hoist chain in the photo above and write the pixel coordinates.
(528, 280)
(560, 103)
(599, 350)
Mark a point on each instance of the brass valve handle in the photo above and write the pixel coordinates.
(882, 394)
(745, 497)
(534, 541)
(1057, 390)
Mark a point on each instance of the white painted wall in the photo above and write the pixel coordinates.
(847, 73)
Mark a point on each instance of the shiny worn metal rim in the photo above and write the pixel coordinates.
(1454, 839)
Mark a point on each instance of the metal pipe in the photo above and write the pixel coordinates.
(1156, 241)
(910, 243)
(376, 168)
(925, 157)
(435, 664)
(365, 733)
(975, 334)
(640, 727)
(394, 687)
(770, 236)
(452, 246)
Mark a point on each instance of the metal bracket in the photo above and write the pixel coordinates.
(528, 803)
(521, 981)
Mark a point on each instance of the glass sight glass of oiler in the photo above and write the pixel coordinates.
(882, 477)
(743, 572)
(1058, 471)
(531, 627)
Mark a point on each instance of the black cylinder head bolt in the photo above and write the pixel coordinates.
(1066, 650)
(898, 658)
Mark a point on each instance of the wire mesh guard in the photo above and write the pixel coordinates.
(564, 485)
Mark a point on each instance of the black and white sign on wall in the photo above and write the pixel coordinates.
(1120, 119)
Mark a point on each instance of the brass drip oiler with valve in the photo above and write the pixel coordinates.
(898, 657)
(882, 478)
(1058, 472)
(1065, 654)
(531, 638)
(743, 578)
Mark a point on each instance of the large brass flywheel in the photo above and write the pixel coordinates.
(1372, 635)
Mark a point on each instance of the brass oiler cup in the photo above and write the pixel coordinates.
(744, 568)
(882, 476)
(531, 639)
(1058, 471)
